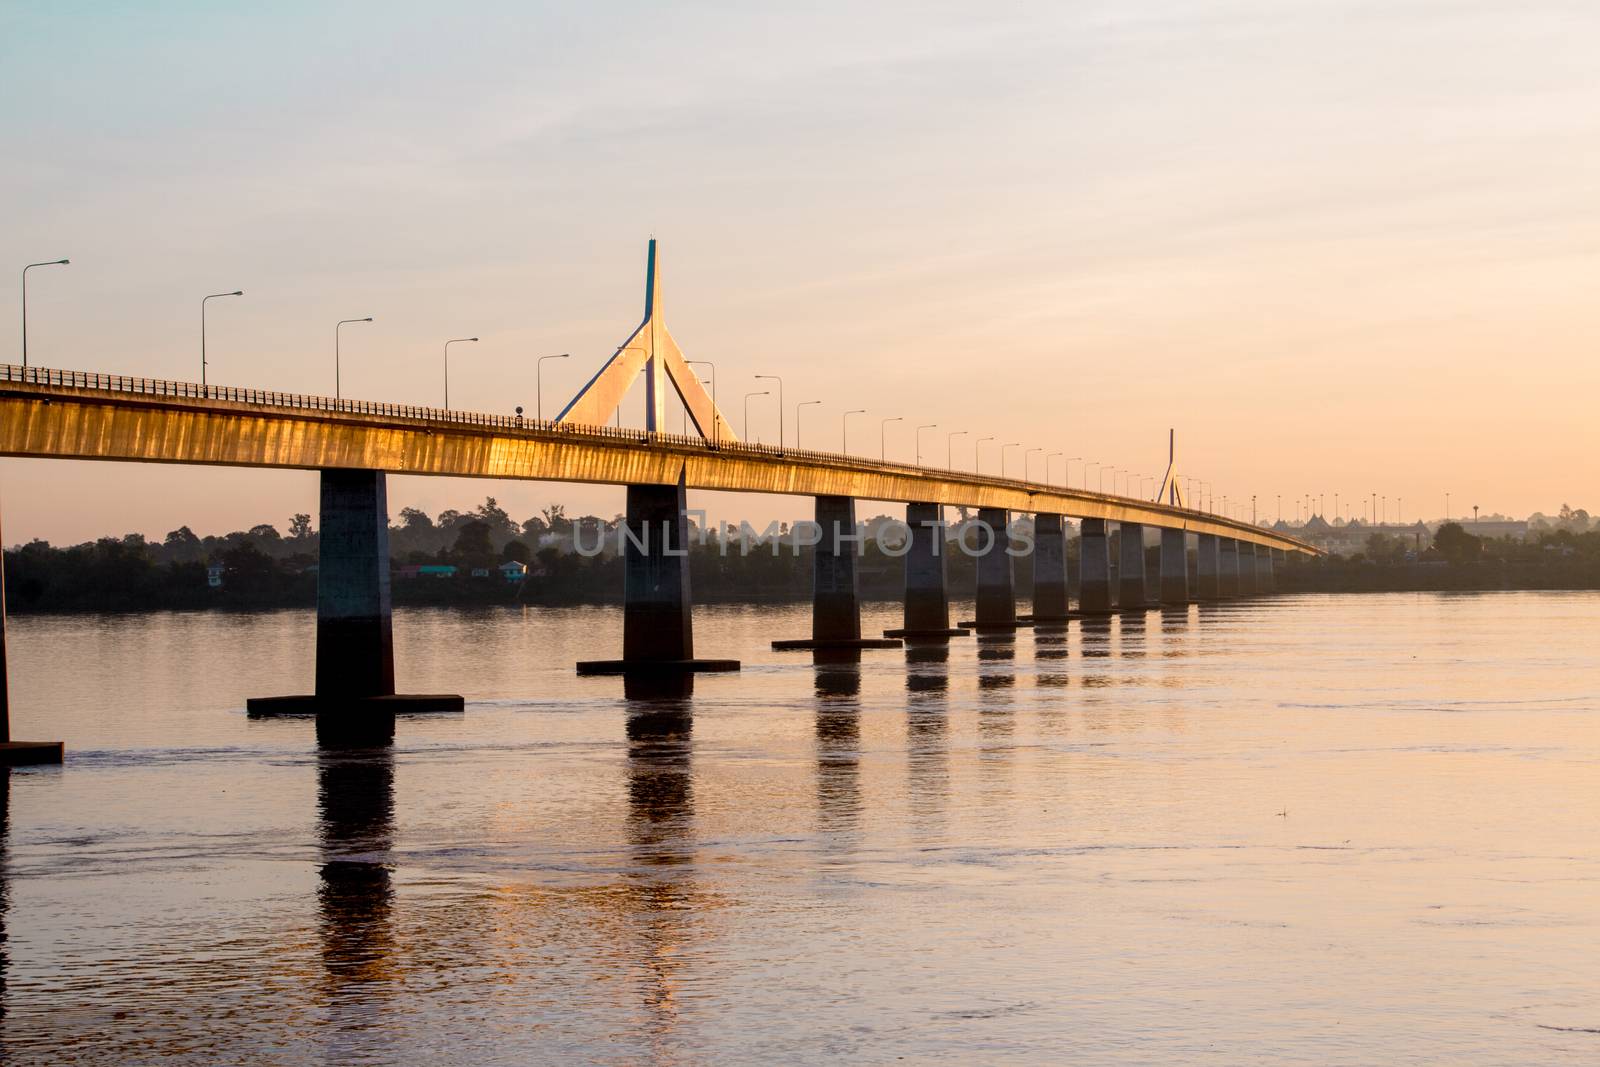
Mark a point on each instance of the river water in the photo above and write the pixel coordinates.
(1319, 829)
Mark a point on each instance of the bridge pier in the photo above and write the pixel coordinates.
(1096, 593)
(997, 595)
(657, 615)
(1265, 558)
(1174, 567)
(1051, 601)
(1247, 568)
(1208, 567)
(18, 753)
(835, 587)
(1228, 567)
(355, 643)
(1133, 589)
(927, 600)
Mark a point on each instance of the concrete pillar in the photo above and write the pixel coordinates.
(1174, 567)
(997, 598)
(927, 600)
(1247, 568)
(1049, 568)
(835, 587)
(1132, 591)
(17, 753)
(1264, 576)
(657, 621)
(355, 644)
(1095, 591)
(835, 591)
(657, 625)
(1208, 567)
(1228, 569)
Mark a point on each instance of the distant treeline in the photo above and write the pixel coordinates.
(262, 568)
(1554, 559)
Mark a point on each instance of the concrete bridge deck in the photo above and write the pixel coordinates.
(91, 416)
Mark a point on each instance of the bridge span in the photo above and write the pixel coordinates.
(82, 415)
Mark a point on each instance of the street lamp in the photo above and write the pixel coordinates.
(25, 270)
(213, 296)
(797, 407)
(844, 429)
(883, 437)
(747, 396)
(977, 453)
(949, 448)
(342, 322)
(775, 378)
(447, 344)
(1008, 444)
(1086, 465)
(1066, 471)
(538, 383)
(1048, 457)
(929, 426)
(1028, 474)
(715, 411)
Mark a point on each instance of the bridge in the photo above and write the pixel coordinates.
(83, 415)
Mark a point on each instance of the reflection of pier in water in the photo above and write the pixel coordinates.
(355, 897)
(928, 735)
(838, 730)
(661, 896)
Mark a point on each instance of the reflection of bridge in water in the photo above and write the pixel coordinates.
(1134, 553)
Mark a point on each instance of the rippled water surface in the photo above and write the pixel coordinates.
(1320, 830)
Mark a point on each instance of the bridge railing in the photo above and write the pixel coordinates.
(159, 387)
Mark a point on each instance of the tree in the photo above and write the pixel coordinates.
(182, 546)
(515, 551)
(300, 526)
(472, 545)
(1455, 544)
(555, 519)
(415, 519)
(492, 515)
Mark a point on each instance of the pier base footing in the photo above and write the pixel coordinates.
(29, 753)
(996, 627)
(839, 642)
(395, 704)
(647, 667)
(916, 634)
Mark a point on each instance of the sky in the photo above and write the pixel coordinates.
(1341, 247)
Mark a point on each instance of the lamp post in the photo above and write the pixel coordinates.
(1008, 444)
(775, 378)
(949, 448)
(715, 411)
(747, 396)
(213, 296)
(1027, 473)
(342, 322)
(1066, 471)
(929, 426)
(1087, 464)
(25, 270)
(883, 437)
(447, 344)
(977, 453)
(538, 383)
(844, 429)
(797, 407)
(1048, 457)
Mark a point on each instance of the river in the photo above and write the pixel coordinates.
(1302, 829)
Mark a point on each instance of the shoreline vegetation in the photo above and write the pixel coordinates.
(461, 558)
